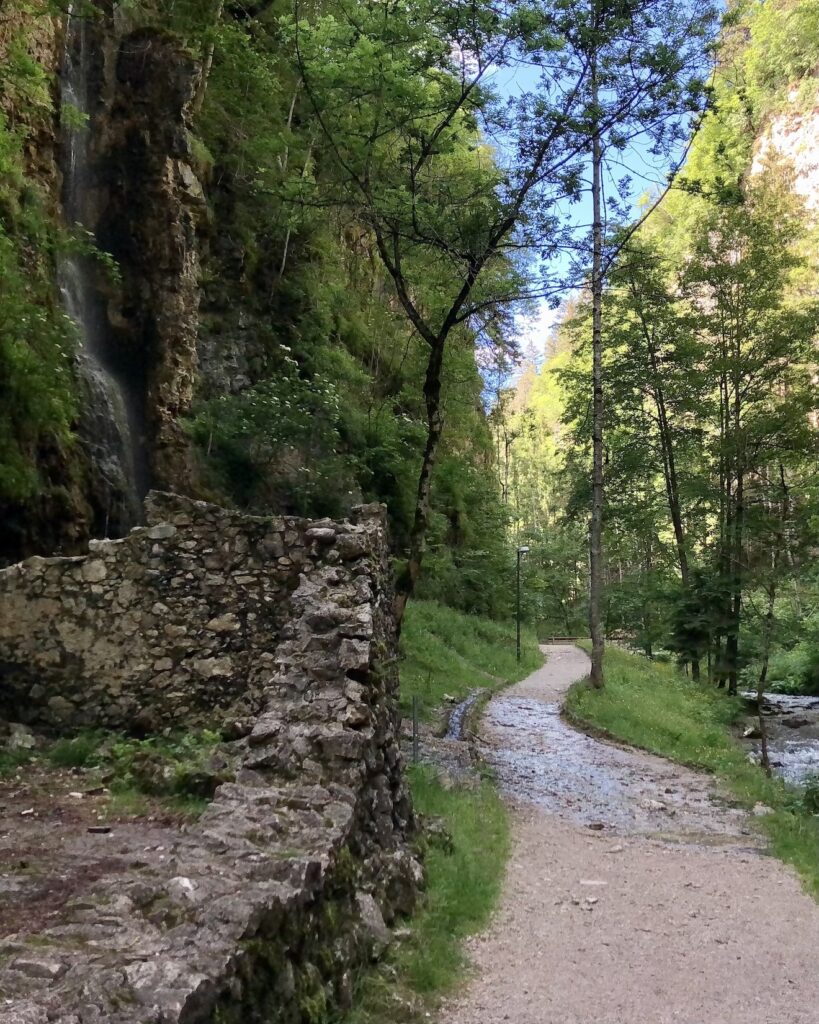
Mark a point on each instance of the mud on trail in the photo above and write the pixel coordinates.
(634, 894)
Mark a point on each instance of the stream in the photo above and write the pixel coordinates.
(792, 724)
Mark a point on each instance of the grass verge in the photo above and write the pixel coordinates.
(445, 652)
(654, 707)
(462, 887)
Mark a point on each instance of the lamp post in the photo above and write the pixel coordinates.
(523, 550)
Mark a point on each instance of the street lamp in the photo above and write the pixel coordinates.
(522, 550)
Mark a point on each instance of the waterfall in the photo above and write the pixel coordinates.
(110, 422)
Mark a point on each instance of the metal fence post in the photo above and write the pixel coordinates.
(415, 730)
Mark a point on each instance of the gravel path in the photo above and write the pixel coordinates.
(670, 912)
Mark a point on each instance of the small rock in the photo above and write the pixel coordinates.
(653, 805)
(182, 887)
(94, 571)
(162, 531)
(377, 933)
(20, 737)
(596, 826)
(752, 733)
(759, 810)
(228, 623)
(615, 849)
(321, 534)
(39, 967)
(61, 708)
(100, 830)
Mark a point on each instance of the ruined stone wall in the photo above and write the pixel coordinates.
(264, 909)
(178, 623)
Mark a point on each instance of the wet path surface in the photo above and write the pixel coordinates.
(668, 914)
(539, 758)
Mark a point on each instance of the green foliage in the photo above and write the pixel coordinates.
(12, 760)
(76, 751)
(36, 394)
(170, 767)
(164, 766)
(447, 652)
(463, 886)
(280, 435)
(784, 49)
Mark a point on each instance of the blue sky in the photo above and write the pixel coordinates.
(648, 174)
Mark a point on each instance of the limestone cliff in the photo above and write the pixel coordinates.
(792, 135)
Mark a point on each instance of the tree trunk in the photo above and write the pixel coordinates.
(767, 629)
(407, 580)
(207, 67)
(737, 540)
(596, 524)
(673, 495)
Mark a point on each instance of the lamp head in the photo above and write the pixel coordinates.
(523, 550)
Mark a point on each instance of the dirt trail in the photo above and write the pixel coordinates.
(671, 913)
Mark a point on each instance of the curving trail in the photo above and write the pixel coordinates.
(671, 912)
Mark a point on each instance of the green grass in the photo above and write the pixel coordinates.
(654, 707)
(462, 888)
(76, 752)
(172, 769)
(11, 760)
(447, 652)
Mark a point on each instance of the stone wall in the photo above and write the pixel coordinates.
(179, 621)
(264, 909)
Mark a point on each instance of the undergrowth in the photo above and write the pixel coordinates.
(182, 771)
(655, 707)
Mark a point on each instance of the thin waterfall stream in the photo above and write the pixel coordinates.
(110, 424)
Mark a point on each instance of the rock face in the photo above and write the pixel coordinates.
(793, 135)
(154, 206)
(261, 911)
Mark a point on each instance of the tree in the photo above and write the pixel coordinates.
(395, 92)
(647, 60)
(657, 360)
(739, 281)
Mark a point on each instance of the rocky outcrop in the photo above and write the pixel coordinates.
(154, 206)
(792, 135)
(38, 39)
(263, 910)
(140, 199)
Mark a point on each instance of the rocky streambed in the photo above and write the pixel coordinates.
(792, 727)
